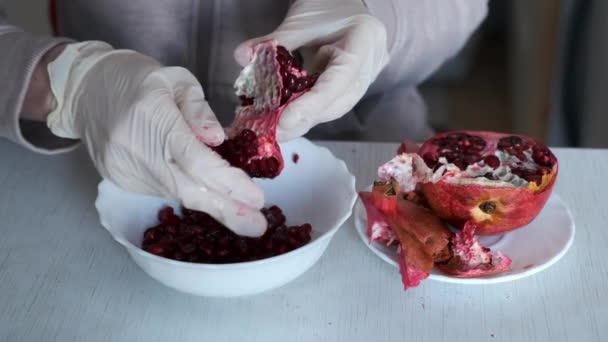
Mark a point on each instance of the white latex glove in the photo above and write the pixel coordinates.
(140, 123)
(348, 44)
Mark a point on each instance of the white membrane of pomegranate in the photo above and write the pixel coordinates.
(409, 169)
(260, 80)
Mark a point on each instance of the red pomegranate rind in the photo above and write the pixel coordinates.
(384, 197)
(424, 226)
(411, 276)
(378, 228)
(486, 201)
(513, 208)
(266, 86)
(408, 146)
(410, 254)
(415, 263)
(471, 259)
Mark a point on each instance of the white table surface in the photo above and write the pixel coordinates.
(62, 278)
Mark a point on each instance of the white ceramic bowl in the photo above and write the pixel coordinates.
(318, 189)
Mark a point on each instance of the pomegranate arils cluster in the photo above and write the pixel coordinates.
(292, 82)
(542, 156)
(464, 149)
(241, 152)
(197, 237)
(265, 87)
(461, 149)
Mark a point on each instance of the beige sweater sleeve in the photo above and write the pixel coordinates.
(20, 54)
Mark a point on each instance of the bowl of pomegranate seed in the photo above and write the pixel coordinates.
(191, 252)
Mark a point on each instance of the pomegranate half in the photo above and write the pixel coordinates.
(498, 182)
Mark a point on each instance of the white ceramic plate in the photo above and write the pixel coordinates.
(532, 248)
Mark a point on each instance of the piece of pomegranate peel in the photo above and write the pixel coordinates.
(424, 226)
(421, 236)
(411, 275)
(378, 228)
(499, 182)
(273, 79)
(470, 258)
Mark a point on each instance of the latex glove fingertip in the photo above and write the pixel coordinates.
(244, 52)
(284, 136)
(211, 134)
(250, 223)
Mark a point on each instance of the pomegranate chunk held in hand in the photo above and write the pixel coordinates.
(272, 80)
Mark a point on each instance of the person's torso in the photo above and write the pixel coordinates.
(201, 35)
(198, 35)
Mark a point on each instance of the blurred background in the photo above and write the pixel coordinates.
(534, 67)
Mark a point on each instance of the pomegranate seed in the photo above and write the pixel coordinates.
(285, 96)
(169, 230)
(166, 238)
(290, 82)
(150, 234)
(536, 179)
(300, 85)
(179, 256)
(508, 142)
(460, 164)
(295, 158)
(166, 216)
(246, 101)
(470, 159)
(187, 248)
(157, 250)
(543, 171)
(492, 161)
(429, 159)
(477, 145)
(451, 156)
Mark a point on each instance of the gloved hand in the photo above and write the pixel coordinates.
(347, 42)
(145, 128)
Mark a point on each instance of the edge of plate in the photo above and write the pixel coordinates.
(360, 210)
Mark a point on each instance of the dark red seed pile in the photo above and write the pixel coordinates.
(197, 237)
(464, 149)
